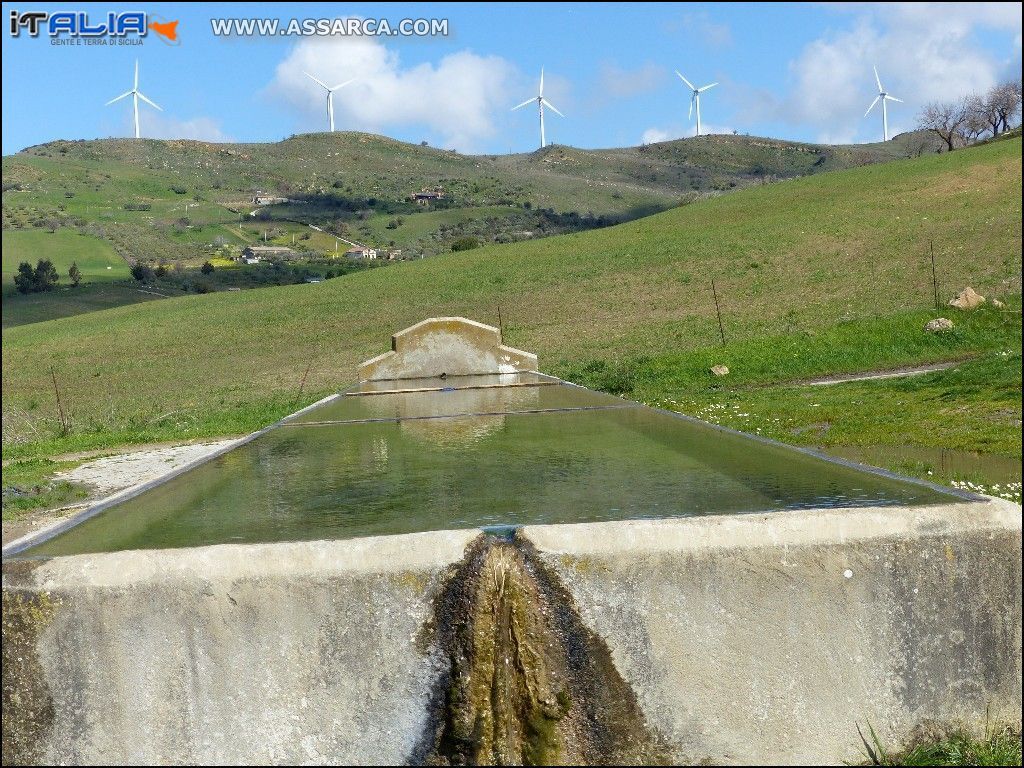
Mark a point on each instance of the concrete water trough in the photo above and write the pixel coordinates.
(462, 560)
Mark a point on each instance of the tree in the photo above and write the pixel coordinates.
(141, 272)
(207, 268)
(46, 276)
(25, 280)
(978, 121)
(946, 120)
(75, 274)
(1006, 101)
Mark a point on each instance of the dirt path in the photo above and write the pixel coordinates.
(112, 475)
(873, 375)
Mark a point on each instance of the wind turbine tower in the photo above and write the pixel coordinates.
(330, 96)
(136, 94)
(541, 103)
(695, 98)
(882, 97)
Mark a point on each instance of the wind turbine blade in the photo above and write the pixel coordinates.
(689, 115)
(877, 80)
(541, 91)
(118, 98)
(321, 83)
(892, 98)
(706, 87)
(136, 74)
(528, 101)
(551, 106)
(877, 98)
(688, 83)
(157, 106)
(347, 82)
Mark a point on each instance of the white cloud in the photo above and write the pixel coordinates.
(924, 52)
(456, 99)
(159, 126)
(655, 134)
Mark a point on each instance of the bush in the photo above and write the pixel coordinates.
(465, 244)
(141, 272)
(75, 274)
(207, 268)
(43, 278)
(24, 281)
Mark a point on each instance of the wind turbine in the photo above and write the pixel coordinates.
(330, 96)
(541, 103)
(694, 98)
(136, 94)
(883, 97)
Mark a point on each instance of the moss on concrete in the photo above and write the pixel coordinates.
(28, 710)
(527, 684)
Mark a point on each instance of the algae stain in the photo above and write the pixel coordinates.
(28, 710)
(526, 683)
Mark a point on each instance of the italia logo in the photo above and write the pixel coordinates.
(79, 24)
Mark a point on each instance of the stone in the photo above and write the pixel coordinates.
(720, 370)
(967, 299)
(998, 304)
(939, 325)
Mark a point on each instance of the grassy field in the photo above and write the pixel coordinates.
(65, 301)
(836, 264)
(95, 257)
(106, 281)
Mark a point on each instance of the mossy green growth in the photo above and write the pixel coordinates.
(528, 685)
(27, 707)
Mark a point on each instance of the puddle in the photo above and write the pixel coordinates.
(982, 468)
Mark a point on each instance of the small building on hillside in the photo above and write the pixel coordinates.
(427, 196)
(254, 254)
(361, 252)
(263, 199)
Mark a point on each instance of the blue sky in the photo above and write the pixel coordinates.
(787, 70)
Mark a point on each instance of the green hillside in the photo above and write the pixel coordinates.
(819, 275)
(175, 200)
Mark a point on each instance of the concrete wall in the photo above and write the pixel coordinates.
(758, 638)
(286, 653)
(769, 638)
(453, 346)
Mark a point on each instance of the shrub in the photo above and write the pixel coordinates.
(207, 268)
(141, 272)
(24, 281)
(43, 278)
(465, 244)
(75, 274)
